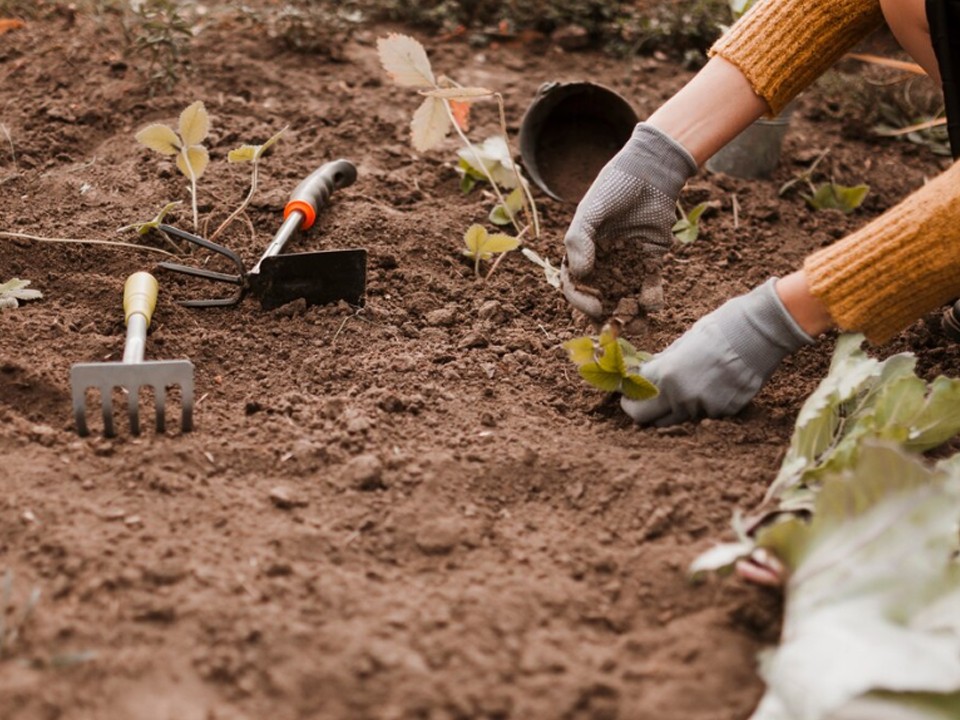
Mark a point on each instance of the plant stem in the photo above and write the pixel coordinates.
(529, 205)
(254, 179)
(193, 188)
(81, 241)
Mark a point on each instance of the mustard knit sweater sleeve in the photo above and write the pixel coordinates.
(901, 265)
(782, 46)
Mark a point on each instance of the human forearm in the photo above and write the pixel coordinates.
(782, 46)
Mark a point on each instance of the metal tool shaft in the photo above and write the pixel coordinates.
(287, 230)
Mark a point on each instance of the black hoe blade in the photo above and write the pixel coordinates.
(318, 277)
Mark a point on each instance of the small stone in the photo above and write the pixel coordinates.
(444, 317)
(571, 37)
(440, 536)
(285, 498)
(364, 472)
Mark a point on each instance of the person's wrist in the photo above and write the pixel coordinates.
(807, 310)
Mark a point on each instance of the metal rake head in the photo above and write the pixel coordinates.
(158, 374)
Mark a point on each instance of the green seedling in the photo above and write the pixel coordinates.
(505, 213)
(480, 245)
(160, 34)
(12, 623)
(187, 146)
(446, 105)
(612, 364)
(13, 292)
(828, 195)
(687, 228)
(142, 228)
(247, 154)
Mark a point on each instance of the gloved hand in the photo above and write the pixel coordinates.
(633, 197)
(719, 364)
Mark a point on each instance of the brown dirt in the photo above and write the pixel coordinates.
(411, 510)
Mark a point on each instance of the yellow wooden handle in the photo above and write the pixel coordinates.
(139, 296)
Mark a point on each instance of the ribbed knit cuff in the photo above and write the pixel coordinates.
(900, 266)
(654, 156)
(782, 46)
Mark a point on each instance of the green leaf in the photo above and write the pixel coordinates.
(637, 387)
(512, 203)
(244, 153)
(687, 228)
(873, 594)
(582, 350)
(611, 359)
(194, 124)
(494, 155)
(159, 138)
(143, 228)
(600, 378)
(195, 159)
(830, 196)
(483, 246)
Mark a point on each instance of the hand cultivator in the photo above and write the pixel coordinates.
(139, 301)
(318, 277)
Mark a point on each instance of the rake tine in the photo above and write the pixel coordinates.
(106, 407)
(133, 409)
(79, 409)
(186, 411)
(160, 399)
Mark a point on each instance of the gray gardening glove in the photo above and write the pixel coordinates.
(634, 196)
(719, 364)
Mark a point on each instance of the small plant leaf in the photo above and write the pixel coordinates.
(143, 228)
(244, 153)
(494, 155)
(687, 228)
(830, 196)
(405, 61)
(461, 114)
(271, 141)
(599, 377)
(194, 124)
(581, 350)
(637, 387)
(198, 158)
(430, 124)
(159, 138)
(514, 203)
(463, 94)
(481, 245)
(12, 291)
(612, 358)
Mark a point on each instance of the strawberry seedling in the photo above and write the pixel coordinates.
(480, 245)
(14, 291)
(612, 364)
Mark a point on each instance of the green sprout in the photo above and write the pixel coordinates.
(828, 195)
(187, 146)
(687, 228)
(480, 245)
(612, 364)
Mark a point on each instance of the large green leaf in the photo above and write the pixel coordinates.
(871, 590)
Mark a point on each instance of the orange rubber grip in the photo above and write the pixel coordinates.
(308, 210)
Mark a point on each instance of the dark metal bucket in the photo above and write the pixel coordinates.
(569, 132)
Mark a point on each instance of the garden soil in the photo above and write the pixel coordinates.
(413, 509)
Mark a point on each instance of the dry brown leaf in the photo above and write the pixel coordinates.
(405, 61)
(430, 125)
(909, 67)
(8, 24)
(461, 114)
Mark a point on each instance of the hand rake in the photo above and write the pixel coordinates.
(139, 301)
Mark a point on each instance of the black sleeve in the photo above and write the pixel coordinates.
(944, 19)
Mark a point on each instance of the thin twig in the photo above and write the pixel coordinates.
(84, 241)
(13, 152)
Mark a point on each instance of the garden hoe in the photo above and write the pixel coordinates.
(318, 277)
(139, 301)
